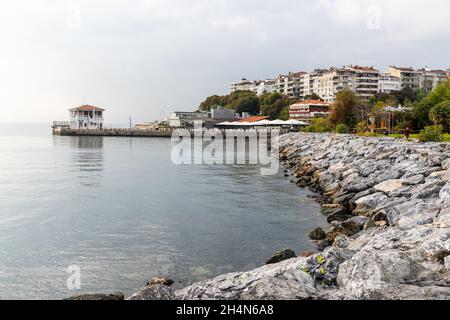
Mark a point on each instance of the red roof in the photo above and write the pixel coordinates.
(253, 119)
(87, 107)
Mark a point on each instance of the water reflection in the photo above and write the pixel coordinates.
(87, 160)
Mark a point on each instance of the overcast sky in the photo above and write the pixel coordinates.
(146, 58)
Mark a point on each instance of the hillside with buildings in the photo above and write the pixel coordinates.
(365, 82)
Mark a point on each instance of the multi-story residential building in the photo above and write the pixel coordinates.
(243, 85)
(365, 81)
(409, 77)
(309, 83)
(361, 80)
(388, 83)
(431, 78)
(265, 86)
(289, 84)
(308, 110)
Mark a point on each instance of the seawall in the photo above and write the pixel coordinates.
(388, 204)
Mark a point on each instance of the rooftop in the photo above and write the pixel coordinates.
(87, 107)
(254, 119)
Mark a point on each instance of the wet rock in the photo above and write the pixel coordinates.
(153, 292)
(281, 256)
(160, 280)
(338, 217)
(99, 296)
(317, 234)
(322, 244)
(347, 228)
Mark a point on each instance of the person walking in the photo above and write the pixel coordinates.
(407, 132)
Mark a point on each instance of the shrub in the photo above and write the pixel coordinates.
(361, 127)
(431, 133)
(319, 125)
(342, 128)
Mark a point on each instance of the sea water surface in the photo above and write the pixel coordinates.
(121, 211)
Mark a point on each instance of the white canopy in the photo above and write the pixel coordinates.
(295, 123)
(278, 122)
(262, 123)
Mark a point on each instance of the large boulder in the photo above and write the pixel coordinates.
(284, 281)
(160, 280)
(281, 256)
(317, 234)
(388, 274)
(154, 292)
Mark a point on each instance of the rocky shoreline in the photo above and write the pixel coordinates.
(388, 203)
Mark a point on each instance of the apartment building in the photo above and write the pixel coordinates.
(264, 86)
(388, 83)
(431, 78)
(290, 84)
(361, 80)
(409, 77)
(242, 85)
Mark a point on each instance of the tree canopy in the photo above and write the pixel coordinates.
(274, 104)
(422, 109)
(345, 110)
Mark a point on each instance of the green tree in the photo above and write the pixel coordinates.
(421, 111)
(244, 102)
(210, 102)
(275, 105)
(440, 114)
(345, 109)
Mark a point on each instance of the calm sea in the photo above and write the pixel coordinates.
(123, 212)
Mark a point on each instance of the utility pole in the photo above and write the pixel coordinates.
(130, 123)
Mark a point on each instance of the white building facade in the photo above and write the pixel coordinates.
(243, 85)
(86, 117)
(388, 83)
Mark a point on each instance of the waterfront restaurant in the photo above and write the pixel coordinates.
(86, 117)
